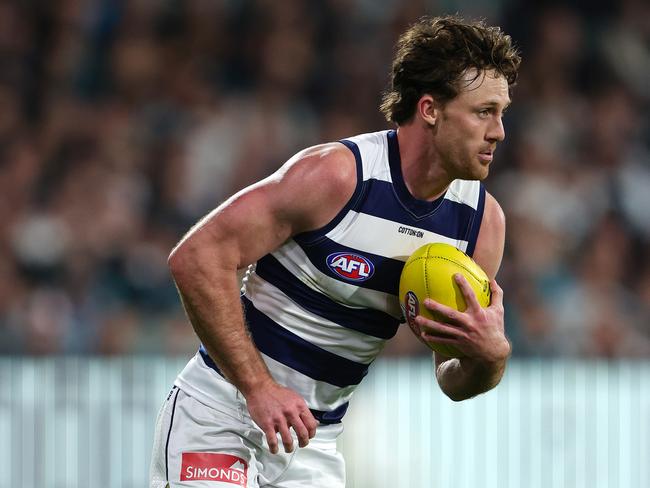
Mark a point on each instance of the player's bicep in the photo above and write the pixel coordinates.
(304, 194)
(246, 226)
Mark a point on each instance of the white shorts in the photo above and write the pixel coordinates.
(200, 446)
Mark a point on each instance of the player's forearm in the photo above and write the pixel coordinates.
(210, 296)
(226, 339)
(465, 378)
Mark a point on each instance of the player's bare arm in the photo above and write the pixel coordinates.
(305, 194)
(477, 332)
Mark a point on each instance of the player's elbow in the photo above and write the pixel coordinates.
(187, 258)
(470, 389)
(456, 395)
(181, 260)
(461, 389)
(459, 398)
(202, 254)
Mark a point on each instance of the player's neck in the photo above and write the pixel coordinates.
(422, 172)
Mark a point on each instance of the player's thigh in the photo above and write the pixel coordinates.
(158, 468)
(205, 447)
(319, 465)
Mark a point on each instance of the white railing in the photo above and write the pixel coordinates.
(88, 422)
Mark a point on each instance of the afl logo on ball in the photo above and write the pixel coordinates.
(411, 306)
(350, 266)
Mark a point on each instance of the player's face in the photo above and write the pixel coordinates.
(470, 126)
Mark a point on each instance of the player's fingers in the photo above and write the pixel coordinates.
(450, 315)
(310, 422)
(440, 339)
(272, 439)
(432, 327)
(300, 429)
(285, 435)
(497, 293)
(468, 292)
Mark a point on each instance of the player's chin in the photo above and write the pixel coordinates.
(482, 169)
(478, 172)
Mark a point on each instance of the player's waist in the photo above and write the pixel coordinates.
(323, 415)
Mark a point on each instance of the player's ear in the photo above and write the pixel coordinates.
(428, 109)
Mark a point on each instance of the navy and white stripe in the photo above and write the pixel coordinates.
(318, 328)
(376, 323)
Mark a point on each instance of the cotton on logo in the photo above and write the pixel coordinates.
(350, 266)
(210, 466)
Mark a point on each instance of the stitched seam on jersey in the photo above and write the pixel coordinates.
(470, 226)
(169, 433)
(415, 216)
(400, 175)
(460, 199)
(480, 210)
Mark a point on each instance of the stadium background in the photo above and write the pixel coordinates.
(122, 122)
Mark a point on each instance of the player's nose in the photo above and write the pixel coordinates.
(496, 132)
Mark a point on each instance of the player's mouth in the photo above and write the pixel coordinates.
(486, 156)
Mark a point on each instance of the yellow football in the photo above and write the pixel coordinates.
(429, 273)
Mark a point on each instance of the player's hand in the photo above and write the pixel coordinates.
(276, 409)
(477, 332)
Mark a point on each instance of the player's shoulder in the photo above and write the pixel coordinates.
(493, 214)
(329, 163)
(491, 238)
(337, 166)
(493, 224)
(328, 152)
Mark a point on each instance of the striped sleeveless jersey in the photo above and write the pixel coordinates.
(321, 307)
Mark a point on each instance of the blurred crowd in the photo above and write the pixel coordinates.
(123, 122)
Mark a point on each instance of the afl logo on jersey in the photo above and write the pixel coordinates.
(350, 266)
